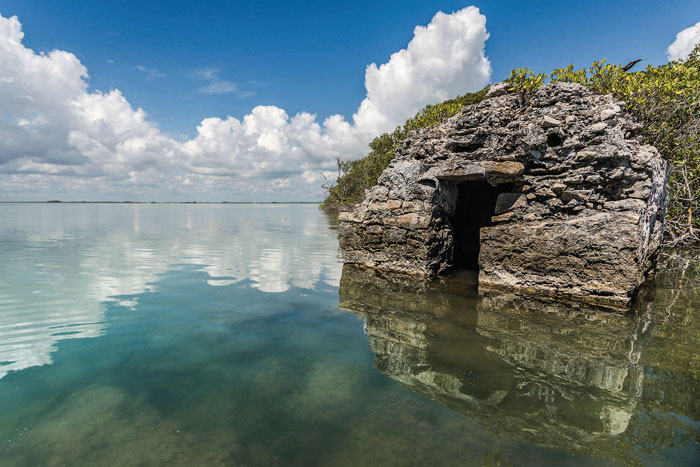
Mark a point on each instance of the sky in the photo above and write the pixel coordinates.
(254, 101)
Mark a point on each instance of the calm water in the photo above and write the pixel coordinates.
(231, 335)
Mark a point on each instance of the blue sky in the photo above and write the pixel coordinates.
(311, 56)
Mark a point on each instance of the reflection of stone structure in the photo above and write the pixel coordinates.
(596, 358)
(594, 349)
(564, 377)
(556, 197)
(673, 358)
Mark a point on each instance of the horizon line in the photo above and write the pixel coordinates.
(158, 202)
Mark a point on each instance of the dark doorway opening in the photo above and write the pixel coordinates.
(476, 204)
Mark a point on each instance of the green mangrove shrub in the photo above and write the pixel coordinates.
(354, 177)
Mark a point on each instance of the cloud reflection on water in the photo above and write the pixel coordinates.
(62, 263)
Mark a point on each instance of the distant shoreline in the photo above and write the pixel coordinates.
(159, 202)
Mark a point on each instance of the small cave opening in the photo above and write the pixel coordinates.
(553, 140)
(476, 204)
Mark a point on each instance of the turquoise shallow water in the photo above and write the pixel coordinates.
(232, 335)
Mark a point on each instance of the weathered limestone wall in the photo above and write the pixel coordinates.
(582, 218)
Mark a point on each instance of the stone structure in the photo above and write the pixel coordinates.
(554, 196)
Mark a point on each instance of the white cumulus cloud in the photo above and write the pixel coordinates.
(53, 125)
(685, 41)
(57, 136)
(444, 59)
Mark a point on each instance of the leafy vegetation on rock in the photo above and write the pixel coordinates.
(666, 101)
(354, 177)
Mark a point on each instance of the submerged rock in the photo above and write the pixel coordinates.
(558, 196)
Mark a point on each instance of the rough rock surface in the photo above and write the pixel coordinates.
(575, 208)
